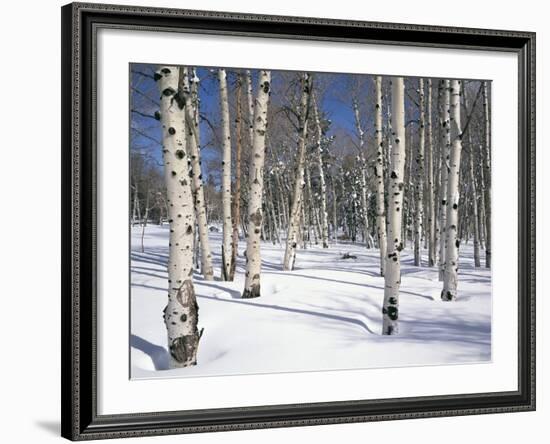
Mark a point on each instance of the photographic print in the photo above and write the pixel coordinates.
(293, 203)
(304, 221)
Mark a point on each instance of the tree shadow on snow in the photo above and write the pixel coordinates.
(158, 354)
(252, 303)
(359, 284)
(235, 294)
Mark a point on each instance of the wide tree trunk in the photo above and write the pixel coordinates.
(295, 212)
(445, 145)
(487, 174)
(392, 277)
(181, 312)
(419, 178)
(450, 282)
(226, 177)
(255, 215)
(379, 174)
(322, 182)
(237, 191)
(188, 90)
(430, 175)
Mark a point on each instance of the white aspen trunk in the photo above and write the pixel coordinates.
(481, 184)
(255, 217)
(364, 204)
(419, 178)
(450, 282)
(324, 214)
(445, 142)
(181, 312)
(237, 192)
(392, 277)
(144, 224)
(295, 212)
(188, 91)
(283, 200)
(379, 173)
(226, 177)
(487, 175)
(135, 207)
(271, 206)
(309, 203)
(303, 234)
(250, 103)
(362, 177)
(430, 197)
(477, 262)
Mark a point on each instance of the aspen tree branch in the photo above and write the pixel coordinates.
(137, 91)
(471, 113)
(211, 126)
(149, 116)
(141, 73)
(158, 142)
(411, 98)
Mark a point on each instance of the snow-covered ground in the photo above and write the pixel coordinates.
(324, 315)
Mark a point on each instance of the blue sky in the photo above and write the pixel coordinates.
(334, 93)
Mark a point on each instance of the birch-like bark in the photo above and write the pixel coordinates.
(362, 178)
(379, 174)
(450, 282)
(271, 207)
(419, 177)
(237, 191)
(188, 90)
(481, 186)
(250, 104)
(136, 213)
(226, 177)
(295, 212)
(392, 277)
(445, 142)
(487, 174)
(322, 183)
(473, 193)
(430, 175)
(181, 312)
(255, 216)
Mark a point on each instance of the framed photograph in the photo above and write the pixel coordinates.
(276, 221)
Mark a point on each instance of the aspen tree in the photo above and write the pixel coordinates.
(430, 175)
(188, 92)
(450, 281)
(237, 191)
(362, 176)
(323, 198)
(445, 144)
(487, 174)
(255, 215)
(295, 213)
(419, 177)
(392, 277)
(226, 177)
(473, 193)
(379, 175)
(181, 312)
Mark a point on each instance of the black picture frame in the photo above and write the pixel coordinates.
(80, 420)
